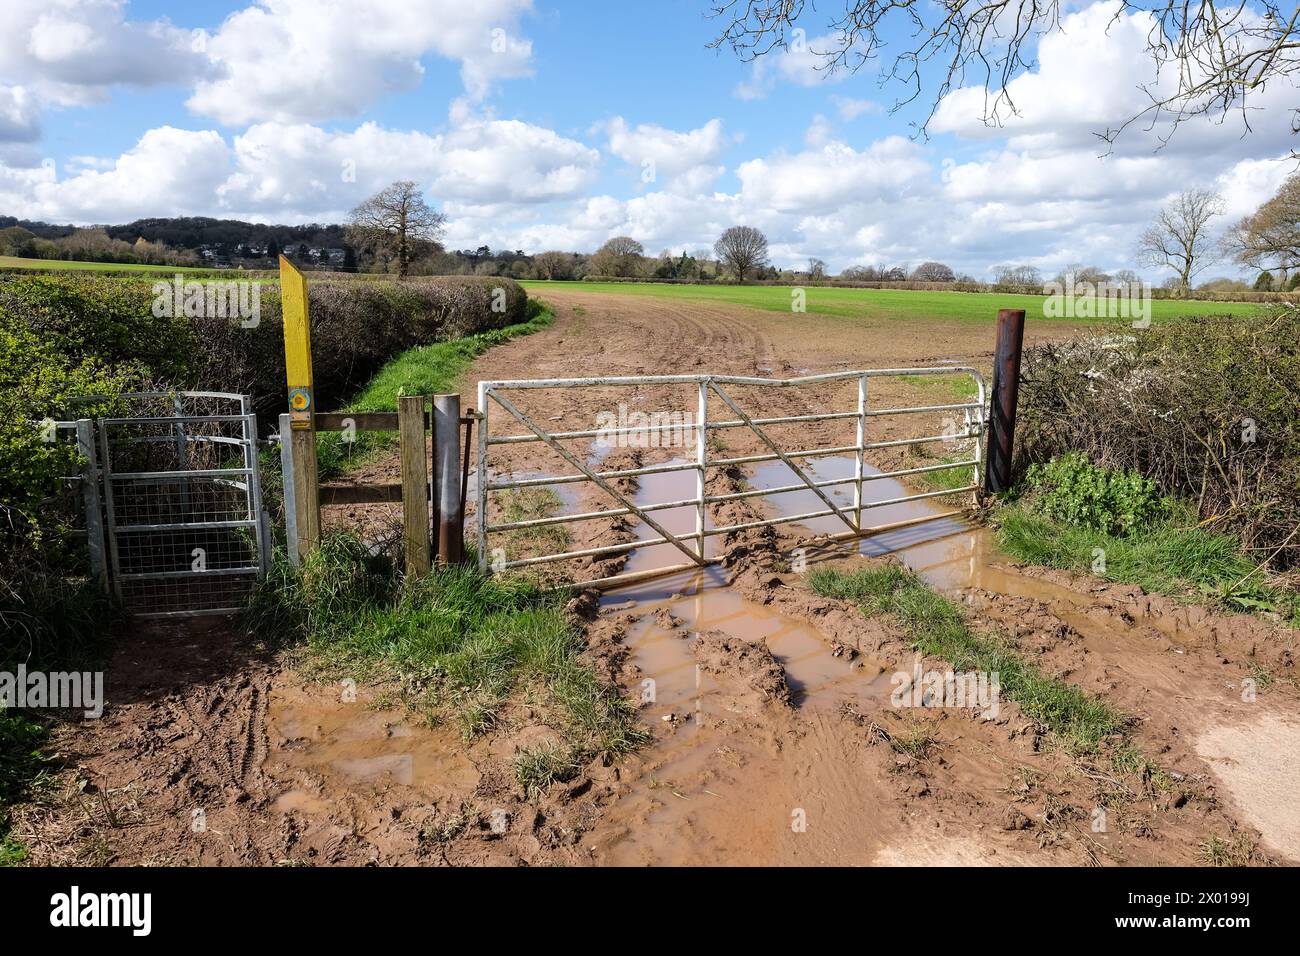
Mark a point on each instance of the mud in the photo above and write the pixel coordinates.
(775, 738)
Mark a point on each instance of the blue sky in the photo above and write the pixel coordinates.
(557, 124)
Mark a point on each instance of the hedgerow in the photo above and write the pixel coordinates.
(64, 336)
(1207, 408)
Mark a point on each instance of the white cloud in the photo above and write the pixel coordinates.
(799, 64)
(19, 115)
(170, 172)
(850, 108)
(818, 180)
(307, 60)
(299, 173)
(1089, 78)
(72, 52)
(1034, 191)
(491, 161)
(819, 133)
(687, 161)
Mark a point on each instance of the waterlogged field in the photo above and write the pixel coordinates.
(975, 307)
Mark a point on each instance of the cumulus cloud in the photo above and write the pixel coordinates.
(492, 161)
(818, 180)
(299, 172)
(306, 60)
(1032, 191)
(687, 161)
(73, 52)
(1090, 77)
(19, 115)
(169, 171)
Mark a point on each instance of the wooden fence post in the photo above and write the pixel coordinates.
(302, 411)
(415, 483)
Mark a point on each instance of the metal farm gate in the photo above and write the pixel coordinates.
(974, 415)
(183, 524)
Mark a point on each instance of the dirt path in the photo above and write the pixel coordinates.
(775, 738)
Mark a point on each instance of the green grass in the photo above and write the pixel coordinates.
(49, 622)
(22, 771)
(530, 504)
(536, 768)
(1171, 556)
(945, 389)
(1237, 849)
(60, 265)
(947, 479)
(967, 307)
(463, 645)
(935, 627)
(424, 370)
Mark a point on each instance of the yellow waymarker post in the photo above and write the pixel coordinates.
(302, 411)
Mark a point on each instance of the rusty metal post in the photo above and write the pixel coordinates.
(450, 505)
(1006, 388)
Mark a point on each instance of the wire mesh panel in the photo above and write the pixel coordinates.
(182, 503)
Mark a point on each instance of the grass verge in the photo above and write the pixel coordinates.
(936, 628)
(1172, 556)
(464, 646)
(424, 370)
(48, 622)
(22, 771)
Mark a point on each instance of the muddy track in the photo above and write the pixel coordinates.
(775, 740)
(742, 773)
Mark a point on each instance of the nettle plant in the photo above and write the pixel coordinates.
(1071, 488)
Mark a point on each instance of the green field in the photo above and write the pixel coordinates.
(878, 303)
(13, 262)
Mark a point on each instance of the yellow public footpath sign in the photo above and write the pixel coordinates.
(297, 343)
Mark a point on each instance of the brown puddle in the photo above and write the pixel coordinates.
(351, 747)
(947, 553)
(678, 606)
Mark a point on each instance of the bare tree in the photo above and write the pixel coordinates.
(1269, 238)
(741, 249)
(1210, 57)
(1178, 239)
(1017, 277)
(816, 269)
(933, 272)
(398, 221)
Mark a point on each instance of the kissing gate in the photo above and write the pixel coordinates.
(172, 502)
(692, 546)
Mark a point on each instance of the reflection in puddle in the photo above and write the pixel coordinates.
(700, 601)
(661, 646)
(665, 487)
